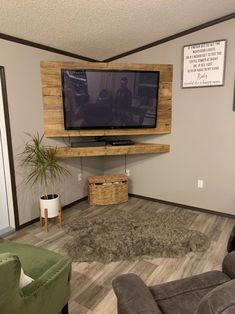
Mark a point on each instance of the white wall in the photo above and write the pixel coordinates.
(203, 134)
(22, 68)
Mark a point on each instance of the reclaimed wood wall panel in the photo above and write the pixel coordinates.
(53, 105)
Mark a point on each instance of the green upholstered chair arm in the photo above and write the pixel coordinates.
(34, 260)
(10, 291)
(10, 268)
(48, 278)
(52, 287)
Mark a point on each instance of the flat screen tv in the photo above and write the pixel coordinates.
(109, 99)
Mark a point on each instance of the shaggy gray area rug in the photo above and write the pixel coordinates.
(121, 235)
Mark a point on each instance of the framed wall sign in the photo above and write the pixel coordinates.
(204, 64)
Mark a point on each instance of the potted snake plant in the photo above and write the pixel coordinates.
(43, 169)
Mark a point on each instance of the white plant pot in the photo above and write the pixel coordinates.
(52, 204)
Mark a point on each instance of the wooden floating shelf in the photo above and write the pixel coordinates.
(109, 150)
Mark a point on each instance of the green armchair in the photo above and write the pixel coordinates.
(50, 290)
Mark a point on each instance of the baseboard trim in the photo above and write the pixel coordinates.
(6, 231)
(75, 202)
(203, 210)
(28, 223)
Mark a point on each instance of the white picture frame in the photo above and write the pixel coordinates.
(204, 64)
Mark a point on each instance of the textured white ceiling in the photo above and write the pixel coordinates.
(101, 29)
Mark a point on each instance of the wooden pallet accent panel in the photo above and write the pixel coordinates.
(53, 107)
(109, 150)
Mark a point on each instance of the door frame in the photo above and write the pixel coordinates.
(12, 193)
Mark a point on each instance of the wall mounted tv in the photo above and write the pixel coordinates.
(109, 99)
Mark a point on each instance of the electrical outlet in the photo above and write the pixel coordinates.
(79, 177)
(128, 173)
(200, 184)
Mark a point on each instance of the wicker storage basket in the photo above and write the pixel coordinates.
(106, 190)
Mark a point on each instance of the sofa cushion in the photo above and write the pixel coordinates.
(220, 300)
(183, 296)
(24, 279)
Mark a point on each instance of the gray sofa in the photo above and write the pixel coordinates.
(212, 292)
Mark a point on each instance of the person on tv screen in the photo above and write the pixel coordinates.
(123, 102)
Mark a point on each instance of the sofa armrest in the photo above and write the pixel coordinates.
(228, 265)
(48, 278)
(231, 241)
(47, 294)
(220, 300)
(134, 296)
(53, 287)
(10, 268)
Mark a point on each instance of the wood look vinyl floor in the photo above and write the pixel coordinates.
(91, 290)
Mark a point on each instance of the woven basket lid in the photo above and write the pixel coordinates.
(108, 178)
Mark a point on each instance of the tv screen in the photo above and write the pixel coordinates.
(109, 99)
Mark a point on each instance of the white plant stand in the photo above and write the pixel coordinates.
(50, 208)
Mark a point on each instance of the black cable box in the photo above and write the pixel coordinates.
(122, 142)
(88, 144)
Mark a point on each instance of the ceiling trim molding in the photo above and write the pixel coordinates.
(44, 47)
(172, 37)
(124, 54)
